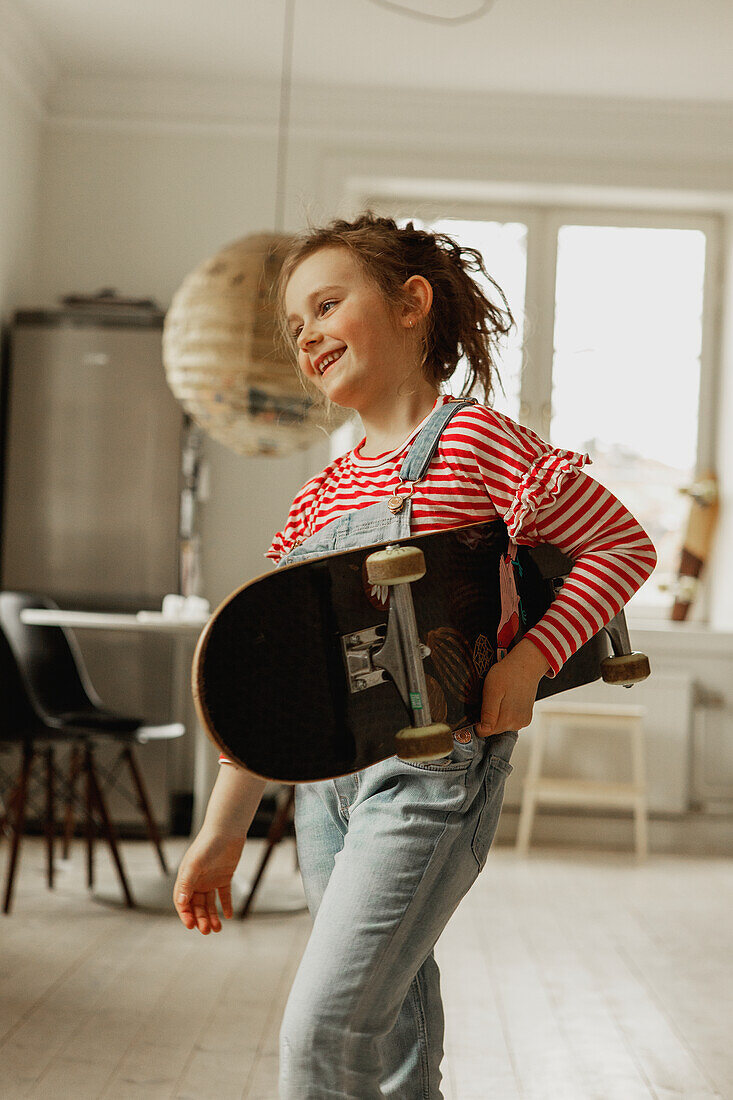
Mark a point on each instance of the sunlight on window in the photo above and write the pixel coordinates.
(503, 246)
(626, 372)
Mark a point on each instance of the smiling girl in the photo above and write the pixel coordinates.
(379, 317)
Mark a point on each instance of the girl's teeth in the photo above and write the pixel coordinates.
(331, 359)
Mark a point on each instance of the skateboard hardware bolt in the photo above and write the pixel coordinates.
(358, 651)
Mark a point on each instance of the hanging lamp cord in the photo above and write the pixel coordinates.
(286, 79)
(283, 126)
(427, 17)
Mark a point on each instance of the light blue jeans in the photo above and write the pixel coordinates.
(386, 856)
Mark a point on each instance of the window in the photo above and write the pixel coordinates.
(503, 246)
(611, 351)
(626, 370)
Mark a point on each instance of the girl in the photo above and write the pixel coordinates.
(380, 317)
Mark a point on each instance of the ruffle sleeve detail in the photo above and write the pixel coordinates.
(541, 485)
(278, 548)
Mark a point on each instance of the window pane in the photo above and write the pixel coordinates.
(626, 372)
(503, 246)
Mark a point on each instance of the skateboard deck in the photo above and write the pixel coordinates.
(275, 687)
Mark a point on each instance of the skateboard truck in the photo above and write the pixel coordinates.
(359, 650)
(372, 652)
(626, 667)
(402, 653)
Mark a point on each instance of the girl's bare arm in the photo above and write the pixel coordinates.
(207, 867)
(233, 801)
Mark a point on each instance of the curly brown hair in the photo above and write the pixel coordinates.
(463, 321)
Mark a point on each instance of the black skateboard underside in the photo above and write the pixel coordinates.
(270, 674)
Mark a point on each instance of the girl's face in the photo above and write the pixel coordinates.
(350, 344)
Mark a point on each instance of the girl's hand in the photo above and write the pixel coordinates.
(510, 688)
(206, 869)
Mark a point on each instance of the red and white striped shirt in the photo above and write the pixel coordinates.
(487, 466)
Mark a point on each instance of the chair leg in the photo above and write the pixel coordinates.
(274, 836)
(74, 768)
(89, 824)
(50, 824)
(18, 824)
(107, 827)
(9, 809)
(145, 807)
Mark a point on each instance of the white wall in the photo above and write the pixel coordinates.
(24, 73)
(137, 209)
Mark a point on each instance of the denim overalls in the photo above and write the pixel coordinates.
(386, 855)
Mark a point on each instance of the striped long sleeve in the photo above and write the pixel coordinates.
(544, 496)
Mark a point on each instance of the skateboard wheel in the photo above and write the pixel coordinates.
(424, 743)
(628, 669)
(395, 566)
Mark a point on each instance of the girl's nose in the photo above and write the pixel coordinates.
(308, 337)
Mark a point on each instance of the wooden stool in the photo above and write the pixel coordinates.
(584, 792)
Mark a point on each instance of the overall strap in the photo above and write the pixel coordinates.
(425, 443)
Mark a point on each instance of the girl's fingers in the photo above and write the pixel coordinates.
(198, 909)
(213, 915)
(182, 903)
(225, 897)
(201, 914)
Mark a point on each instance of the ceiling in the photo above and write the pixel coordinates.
(658, 49)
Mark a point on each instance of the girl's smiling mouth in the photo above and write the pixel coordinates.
(324, 361)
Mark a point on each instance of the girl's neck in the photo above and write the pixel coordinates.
(389, 425)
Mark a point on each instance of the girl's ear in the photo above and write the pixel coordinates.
(419, 299)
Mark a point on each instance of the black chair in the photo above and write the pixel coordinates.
(66, 708)
(21, 730)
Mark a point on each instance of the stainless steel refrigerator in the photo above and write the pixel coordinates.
(92, 481)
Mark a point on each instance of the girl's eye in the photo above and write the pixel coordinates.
(327, 304)
(295, 333)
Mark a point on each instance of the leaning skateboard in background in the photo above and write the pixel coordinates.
(379, 317)
(696, 544)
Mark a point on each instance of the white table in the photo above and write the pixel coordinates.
(156, 894)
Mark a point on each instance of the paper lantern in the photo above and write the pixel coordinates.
(221, 358)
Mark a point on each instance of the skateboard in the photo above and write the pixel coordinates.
(697, 542)
(322, 668)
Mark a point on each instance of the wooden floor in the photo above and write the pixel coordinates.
(568, 975)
